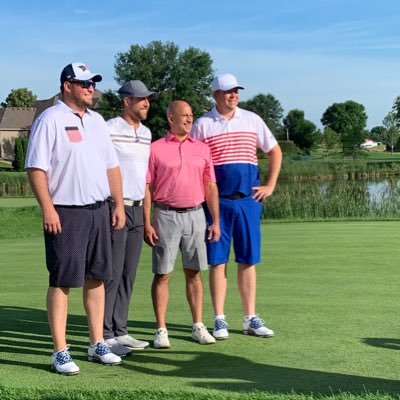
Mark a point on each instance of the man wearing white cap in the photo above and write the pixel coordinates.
(131, 140)
(73, 168)
(233, 135)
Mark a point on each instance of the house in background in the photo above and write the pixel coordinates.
(14, 122)
(369, 143)
(17, 121)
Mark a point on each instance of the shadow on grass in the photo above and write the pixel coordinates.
(387, 343)
(238, 374)
(24, 330)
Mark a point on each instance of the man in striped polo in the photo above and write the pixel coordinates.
(131, 140)
(233, 135)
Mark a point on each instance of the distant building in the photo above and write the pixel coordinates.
(17, 121)
(369, 143)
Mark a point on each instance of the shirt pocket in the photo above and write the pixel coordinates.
(73, 133)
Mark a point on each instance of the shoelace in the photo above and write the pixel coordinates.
(102, 349)
(256, 322)
(161, 333)
(63, 357)
(220, 324)
(203, 331)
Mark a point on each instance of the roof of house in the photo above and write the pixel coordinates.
(17, 118)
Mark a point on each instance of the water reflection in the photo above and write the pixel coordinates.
(335, 199)
(380, 190)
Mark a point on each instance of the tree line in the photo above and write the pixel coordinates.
(187, 74)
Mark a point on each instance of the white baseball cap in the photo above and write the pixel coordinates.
(80, 72)
(225, 82)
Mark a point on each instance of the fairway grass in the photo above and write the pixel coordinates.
(17, 201)
(329, 290)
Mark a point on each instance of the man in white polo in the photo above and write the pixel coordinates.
(131, 140)
(73, 168)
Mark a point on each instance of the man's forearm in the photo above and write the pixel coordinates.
(274, 165)
(115, 183)
(212, 200)
(40, 188)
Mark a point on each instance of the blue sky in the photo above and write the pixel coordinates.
(309, 54)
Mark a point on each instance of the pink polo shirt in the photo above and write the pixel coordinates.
(177, 171)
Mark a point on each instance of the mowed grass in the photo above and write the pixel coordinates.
(17, 202)
(329, 290)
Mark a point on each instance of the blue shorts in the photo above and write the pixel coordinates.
(240, 220)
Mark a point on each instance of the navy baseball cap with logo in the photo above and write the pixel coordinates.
(80, 72)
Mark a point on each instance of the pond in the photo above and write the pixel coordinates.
(335, 199)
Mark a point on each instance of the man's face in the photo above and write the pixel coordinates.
(227, 100)
(81, 93)
(181, 120)
(137, 107)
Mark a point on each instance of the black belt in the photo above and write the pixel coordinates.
(93, 206)
(163, 206)
(235, 196)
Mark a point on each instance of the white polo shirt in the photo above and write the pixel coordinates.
(133, 150)
(76, 154)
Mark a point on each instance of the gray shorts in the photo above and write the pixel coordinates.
(179, 230)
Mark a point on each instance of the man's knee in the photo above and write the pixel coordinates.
(161, 279)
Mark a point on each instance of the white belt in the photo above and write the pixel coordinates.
(133, 203)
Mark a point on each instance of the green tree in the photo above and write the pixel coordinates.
(303, 132)
(20, 147)
(330, 141)
(20, 98)
(349, 120)
(269, 109)
(391, 134)
(175, 74)
(109, 105)
(396, 109)
(377, 133)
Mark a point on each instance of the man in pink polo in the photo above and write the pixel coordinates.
(180, 178)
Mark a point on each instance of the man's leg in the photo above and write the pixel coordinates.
(194, 293)
(160, 297)
(247, 287)
(247, 281)
(111, 287)
(93, 300)
(218, 286)
(57, 311)
(132, 255)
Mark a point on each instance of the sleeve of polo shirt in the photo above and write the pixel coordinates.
(195, 133)
(209, 173)
(40, 145)
(150, 168)
(265, 139)
(112, 158)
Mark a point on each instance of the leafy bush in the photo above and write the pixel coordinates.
(14, 184)
(20, 148)
(288, 147)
